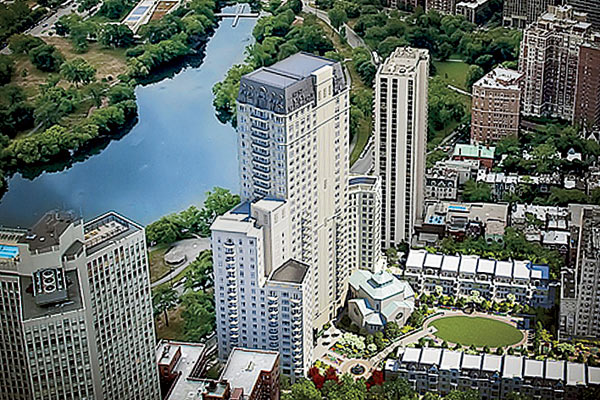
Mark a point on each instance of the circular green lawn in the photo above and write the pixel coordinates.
(476, 331)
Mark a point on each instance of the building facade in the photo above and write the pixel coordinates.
(549, 58)
(493, 376)
(474, 11)
(580, 300)
(443, 6)
(293, 145)
(520, 13)
(496, 106)
(587, 94)
(589, 7)
(400, 126)
(262, 295)
(494, 280)
(76, 310)
(365, 223)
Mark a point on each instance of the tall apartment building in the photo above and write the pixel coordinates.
(76, 311)
(293, 120)
(443, 6)
(549, 60)
(474, 11)
(587, 93)
(591, 8)
(493, 376)
(520, 13)
(580, 299)
(263, 296)
(496, 106)
(400, 140)
(365, 223)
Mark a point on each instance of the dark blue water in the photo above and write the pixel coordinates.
(176, 153)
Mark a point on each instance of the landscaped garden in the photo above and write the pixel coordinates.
(477, 331)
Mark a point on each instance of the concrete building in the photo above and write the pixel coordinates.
(293, 145)
(379, 298)
(502, 183)
(520, 13)
(443, 6)
(587, 94)
(474, 11)
(76, 311)
(365, 223)
(580, 299)
(247, 375)
(263, 296)
(496, 106)
(589, 7)
(481, 153)
(494, 280)
(461, 220)
(441, 184)
(441, 371)
(465, 169)
(400, 124)
(549, 58)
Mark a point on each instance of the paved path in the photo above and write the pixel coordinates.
(364, 164)
(351, 37)
(459, 90)
(191, 248)
(377, 358)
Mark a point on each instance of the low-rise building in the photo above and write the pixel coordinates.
(465, 169)
(379, 298)
(496, 106)
(247, 375)
(365, 222)
(442, 6)
(494, 280)
(494, 376)
(460, 220)
(441, 184)
(503, 184)
(481, 153)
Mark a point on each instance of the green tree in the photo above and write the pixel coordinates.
(477, 192)
(52, 105)
(120, 92)
(468, 394)
(198, 315)
(474, 74)
(303, 390)
(22, 44)
(116, 35)
(7, 67)
(163, 300)
(199, 272)
(162, 231)
(337, 17)
(46, 58)
(78, 71)
(391, 330)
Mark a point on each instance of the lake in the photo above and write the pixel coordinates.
(168, 161)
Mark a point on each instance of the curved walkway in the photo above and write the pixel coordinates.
(191, 248)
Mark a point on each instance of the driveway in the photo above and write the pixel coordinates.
(189, 250)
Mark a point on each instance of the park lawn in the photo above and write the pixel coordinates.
(175, 330)
(455, 72)
(156, 259)
(477, 331)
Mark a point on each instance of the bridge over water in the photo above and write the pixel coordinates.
(241, 11)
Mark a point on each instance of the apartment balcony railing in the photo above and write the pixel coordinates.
(262, 185)
(261, 168)
(259, 116)
(259, 127)
(261, 161)
(261, 143)
(260, 151)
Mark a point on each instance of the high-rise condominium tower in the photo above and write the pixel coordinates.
(549, 60)
(76, 311)
(589, 7)
(293, 146)
(520, 13)
(400, 140)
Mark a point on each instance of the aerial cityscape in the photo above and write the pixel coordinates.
(299, 199)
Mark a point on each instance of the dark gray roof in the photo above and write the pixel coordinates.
(287, 85)
(47, 231)
(291, 271)
(32, 310)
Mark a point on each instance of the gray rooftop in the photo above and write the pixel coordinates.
(106, 229)
(31, 310)
(291, 271)
(47, 231)
(244, 366)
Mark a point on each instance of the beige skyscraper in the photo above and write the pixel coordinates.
(76, 311)
(401, 140)
(293, 145)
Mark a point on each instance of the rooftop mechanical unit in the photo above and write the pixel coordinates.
(49, 286)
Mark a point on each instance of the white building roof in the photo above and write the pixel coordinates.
(533, 369)
(468, 264)
(492, 363)
(504, 269)
(450, 360)
(513, 367)
(593, 375)
(575, 374)
(416, 258)
(450, 263)
(411, 354)
(555, 370)
(521, 271)
(244, 367)
(433, 260)
(471, 361)
(486, 266)
(431, 356)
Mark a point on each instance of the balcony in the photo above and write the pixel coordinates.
(229, 245)
(261, 168)
(258, 115)
(230, 260)
(260, 127)
(273, 331)
(274, 338)
(261, 161)
(259, 135)
(261, 152)
(261, 143)
(262, 185)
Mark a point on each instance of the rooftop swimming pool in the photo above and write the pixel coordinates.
(8, 251)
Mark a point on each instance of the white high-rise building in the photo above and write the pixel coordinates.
(364, 226)
(293, 120)
(400, 107)
(76, 311)
(262, 295)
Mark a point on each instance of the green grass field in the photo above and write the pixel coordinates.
(454, 72)
(477, 331)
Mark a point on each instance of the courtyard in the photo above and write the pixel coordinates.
(476, 330)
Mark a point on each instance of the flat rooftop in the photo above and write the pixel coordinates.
(191, 354)
(31, 310)
(104, 230)
(244, 367)
(47, 231)
(291, 271)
